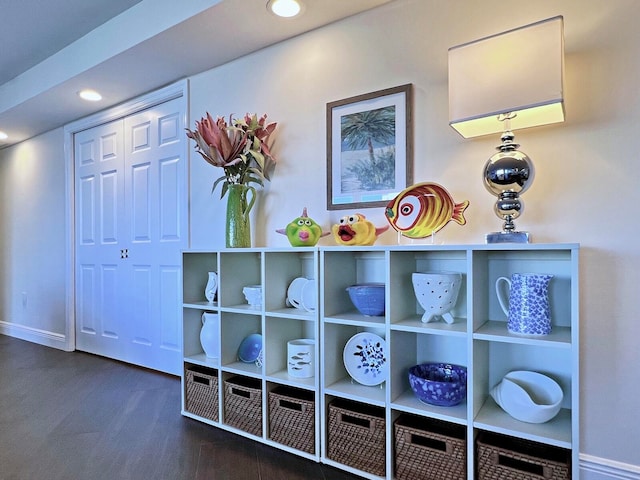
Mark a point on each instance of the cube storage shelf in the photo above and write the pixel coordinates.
(478, 338)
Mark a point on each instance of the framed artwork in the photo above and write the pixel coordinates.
(369, 148)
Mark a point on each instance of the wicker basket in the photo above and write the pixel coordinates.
(202, 392)
(428, 449)
(506, 458)
(243, 404)
(292, 418)
(356, 436)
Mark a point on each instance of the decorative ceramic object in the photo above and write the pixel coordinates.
(309, 299)
(253, 295)
(440, 384)
(303, 231)
(437, 293)
(294, 292)
(240, 200)
(250, 349)
(368, 298)
(528, 396)
(527, 305)
(423, 209)
(300, 358)
(355, 229)
(212, 287)
(209, 334)
(365, 358)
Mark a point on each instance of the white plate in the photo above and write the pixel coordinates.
(365, 358)
(294, 292)
(309, 296)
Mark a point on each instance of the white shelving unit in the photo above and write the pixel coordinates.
(477, 339)
(274, 320)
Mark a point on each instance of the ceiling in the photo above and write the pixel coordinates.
(51, 49)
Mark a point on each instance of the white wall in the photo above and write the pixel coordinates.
(587, 168)
(585, 190)
(32, 240)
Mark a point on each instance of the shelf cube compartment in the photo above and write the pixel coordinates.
(243, 404)
(500, 456)
(292, 418)
(429, 449)
(356, 435)
(201, 396)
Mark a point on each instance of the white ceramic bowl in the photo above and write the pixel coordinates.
(528, 396)
(437, 293)
(253, 294)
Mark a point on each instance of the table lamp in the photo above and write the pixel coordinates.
(501, 83)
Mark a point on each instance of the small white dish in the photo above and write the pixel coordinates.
(309, 299)
(294, 292)
(528, 396)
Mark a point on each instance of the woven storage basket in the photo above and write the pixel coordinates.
(356, 436)
(429, 449)
(506, 458)
(202, 392)
(243, 404)
(292, 418)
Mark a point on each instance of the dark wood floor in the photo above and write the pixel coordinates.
(79, 416)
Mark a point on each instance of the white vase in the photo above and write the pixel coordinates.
(212, 287)
(300, 358)
(209, 334)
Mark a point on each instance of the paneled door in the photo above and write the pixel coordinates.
(131, 226)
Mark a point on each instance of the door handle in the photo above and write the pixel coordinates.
(124, 253)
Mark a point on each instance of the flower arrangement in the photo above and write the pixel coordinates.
(240, 147)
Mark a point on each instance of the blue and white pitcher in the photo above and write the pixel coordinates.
(527, 305)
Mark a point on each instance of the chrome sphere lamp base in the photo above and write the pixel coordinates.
(507, 174)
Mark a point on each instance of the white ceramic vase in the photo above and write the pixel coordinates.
(300, 358)
(212, 287)
(209, 334)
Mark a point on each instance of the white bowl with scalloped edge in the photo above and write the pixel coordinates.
(528, 396)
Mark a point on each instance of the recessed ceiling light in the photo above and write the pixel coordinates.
(284, 8)
(90, 95)
(3, 136)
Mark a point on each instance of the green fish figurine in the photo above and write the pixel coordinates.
(303, 231)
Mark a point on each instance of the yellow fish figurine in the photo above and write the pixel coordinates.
(355, 229)
(422, 209)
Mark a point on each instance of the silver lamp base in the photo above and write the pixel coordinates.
(507, 237)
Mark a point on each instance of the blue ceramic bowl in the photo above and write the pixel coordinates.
(250, 348)
(368, 298)
(440, 384)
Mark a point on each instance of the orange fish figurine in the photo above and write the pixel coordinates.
(423, 209)
(355, 229)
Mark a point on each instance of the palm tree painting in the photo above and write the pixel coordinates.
(368, 150)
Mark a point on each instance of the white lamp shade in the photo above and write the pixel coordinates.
(520, 71)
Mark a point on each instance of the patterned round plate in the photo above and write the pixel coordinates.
(365, 358)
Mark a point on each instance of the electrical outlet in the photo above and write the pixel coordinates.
(24, 299)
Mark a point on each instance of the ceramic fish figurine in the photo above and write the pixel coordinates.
(303, 231)
(422, 209)
(355, 229)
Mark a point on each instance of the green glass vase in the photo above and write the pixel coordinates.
(240, 200)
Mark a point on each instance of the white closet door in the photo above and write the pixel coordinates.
(133, 315)
(100, 226)
(155, 196)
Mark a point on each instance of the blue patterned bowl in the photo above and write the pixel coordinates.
(440, 384)
(368, 298)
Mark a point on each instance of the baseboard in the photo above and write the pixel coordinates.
(35, 335)
(596, 468)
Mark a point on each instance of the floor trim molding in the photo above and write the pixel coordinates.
(598, 468)
(35, 335)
